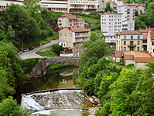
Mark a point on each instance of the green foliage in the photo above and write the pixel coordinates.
(94, 47)
(9, 107)
(89, 18)
(108, 8)
(49, 53)
(58, 65)
(95, 27)
(56, 48)
(129, 94)
(146, 20)
(28, 64)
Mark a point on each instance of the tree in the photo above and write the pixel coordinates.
(108, 8)
(9, 107)
(56, 48)
(94, 47)
(25, 27)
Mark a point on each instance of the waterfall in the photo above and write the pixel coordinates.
(55, 99)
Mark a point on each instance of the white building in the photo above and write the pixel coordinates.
(128, 16)
(111, 23)
(66, 6)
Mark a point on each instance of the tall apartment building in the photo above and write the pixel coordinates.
(66, 6)
(110, 25)
(128, 16)
(69, 20)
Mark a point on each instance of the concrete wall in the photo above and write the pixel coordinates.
(117, 59)
(141, 65)
(129, 62)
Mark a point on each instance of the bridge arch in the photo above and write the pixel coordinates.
(41, 67)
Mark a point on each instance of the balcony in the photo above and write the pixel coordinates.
(132, 45)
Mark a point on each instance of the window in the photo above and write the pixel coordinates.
(124, 48)
(131, 37)
(138, 48)
(138, 42)
(144, 41)
(138, 37)
(152, 43)
(65, 34)
(125, 37)
(124, 42)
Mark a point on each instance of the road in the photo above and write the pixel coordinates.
(32, 53)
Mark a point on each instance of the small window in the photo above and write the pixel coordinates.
(152, 43)
(125, 37)
(65, 34)
(124, 48)
(131, 37)
(138, 37)
(138, 42)
(138, 48)
(124, 42)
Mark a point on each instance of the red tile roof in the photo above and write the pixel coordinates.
(71, 17)
(137, 56)
(129, 32)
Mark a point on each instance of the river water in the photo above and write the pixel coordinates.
(62, 102)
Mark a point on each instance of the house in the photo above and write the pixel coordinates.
(150, 41)
(69, 20)
(72, 38)
(136, 40)
(129, 40)
(138, 58)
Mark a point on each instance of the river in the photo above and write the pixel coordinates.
(63, 102)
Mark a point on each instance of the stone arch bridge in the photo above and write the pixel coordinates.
(41, 67)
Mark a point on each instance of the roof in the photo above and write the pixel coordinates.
(112, 2)
(77, 29)
(129, 32)
(137, 56)
(71, 17)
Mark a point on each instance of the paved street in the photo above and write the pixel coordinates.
(32, 53)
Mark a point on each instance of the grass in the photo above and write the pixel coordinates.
(89, 18)
(49, 53)
(58, 65)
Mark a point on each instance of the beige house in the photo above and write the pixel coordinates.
(69, 20)
(71, 38)
(129, 40)
(150, 42)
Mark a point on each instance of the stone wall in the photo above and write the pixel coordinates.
(41, 67)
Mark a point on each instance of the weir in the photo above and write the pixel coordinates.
(55, 99)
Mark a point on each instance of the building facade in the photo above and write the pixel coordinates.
(128, 16)
(69, 20)
(129, 40)
(150, 42)
(72, 38)
(66, 6)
